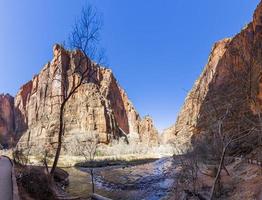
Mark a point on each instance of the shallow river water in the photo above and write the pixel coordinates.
(151, 181)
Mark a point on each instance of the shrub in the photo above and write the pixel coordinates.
(36, 183)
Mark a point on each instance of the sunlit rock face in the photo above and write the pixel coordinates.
(231, 80)
(148, 133)
(99, 105)
(7, 125)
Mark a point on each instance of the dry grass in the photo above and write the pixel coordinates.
(6, 153)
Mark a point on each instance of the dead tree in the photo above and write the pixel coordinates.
(231, 125)
(249, 78)
(221, 163)
(227, 128)
(87, 147)
(84, 38)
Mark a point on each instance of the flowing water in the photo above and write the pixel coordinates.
(150, 181)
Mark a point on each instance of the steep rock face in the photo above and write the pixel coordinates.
(168, 136)
(99, 105)
(229, 89)
(187, 118)
(6, 118)
(148, 133)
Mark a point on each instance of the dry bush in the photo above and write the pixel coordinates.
(21, 155)
(83, 144)
(119, 148)
(35, 183)
(86, 145)
(208, 150)
(115, 148)
(45, 155)
(187, 184)
(6, 152)
(134, 147)
(163, 150)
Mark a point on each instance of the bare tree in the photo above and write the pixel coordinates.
(87, 147)
(223, 126)
(226, 130)
(187, 177)
(86, 34)
(226, 145)
(45, 156)
(85, 39)
(233, 123)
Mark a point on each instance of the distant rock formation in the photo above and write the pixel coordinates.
(230, 80)
(6, 118)
(149, 133)
(99, 105)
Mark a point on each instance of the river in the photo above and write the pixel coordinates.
(151, 181)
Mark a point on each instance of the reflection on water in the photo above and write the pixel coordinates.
(150, 181)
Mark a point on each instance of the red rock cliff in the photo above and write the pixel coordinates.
(231, 80)
(99, 105)
(7, 125)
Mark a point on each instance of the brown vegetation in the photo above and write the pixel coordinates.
(35, 184)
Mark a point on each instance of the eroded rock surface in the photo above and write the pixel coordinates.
(99, 105)
(231, 81)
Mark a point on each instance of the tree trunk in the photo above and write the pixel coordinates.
(46, 165)
(218, 172)
(92, 179)
(60, 134)
(224, 167)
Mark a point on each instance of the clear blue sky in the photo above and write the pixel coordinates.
(156, 48)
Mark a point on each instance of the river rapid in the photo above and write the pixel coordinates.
(150, 181)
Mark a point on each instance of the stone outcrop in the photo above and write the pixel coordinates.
(99, 105)
(229, 89)
(148, 133)
(6, 118)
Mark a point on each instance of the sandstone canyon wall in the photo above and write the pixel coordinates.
(100, 105)
(183, 130)
(230, 86)
(6, 118)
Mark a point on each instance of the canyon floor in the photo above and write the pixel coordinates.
(157, 180)
(148, 178)
(152, 180)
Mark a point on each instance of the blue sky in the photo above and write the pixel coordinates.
(156, 48)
